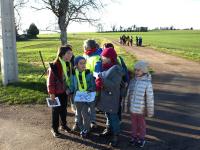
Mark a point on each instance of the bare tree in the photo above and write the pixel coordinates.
(68, 11)
(99, 27)
(120, 28)
(114, 28)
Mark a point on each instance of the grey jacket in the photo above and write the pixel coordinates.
(110, 93)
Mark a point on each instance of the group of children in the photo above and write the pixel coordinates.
(101, 71)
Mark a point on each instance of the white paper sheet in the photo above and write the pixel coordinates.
(95, 74)
(53, 103)
(84, 96)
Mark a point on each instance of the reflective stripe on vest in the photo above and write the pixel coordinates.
(83, 79)
(91, 62)
(64, 67)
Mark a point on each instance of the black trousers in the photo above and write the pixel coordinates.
(60, 111)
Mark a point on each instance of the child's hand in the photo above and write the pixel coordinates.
(52, 96)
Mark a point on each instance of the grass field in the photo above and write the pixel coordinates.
(184, 43)
(32, 89)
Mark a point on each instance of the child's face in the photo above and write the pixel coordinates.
(138, 72)
(81, 66)
(105, 60)
(68, 56)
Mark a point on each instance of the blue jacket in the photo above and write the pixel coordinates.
(98, 52)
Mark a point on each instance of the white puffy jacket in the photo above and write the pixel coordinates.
(140, 95)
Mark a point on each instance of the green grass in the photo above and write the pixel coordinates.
(184, 43)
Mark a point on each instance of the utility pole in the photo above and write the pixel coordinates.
(9, 64)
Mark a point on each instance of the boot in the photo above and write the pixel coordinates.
(114, 141)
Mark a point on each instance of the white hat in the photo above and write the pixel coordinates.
(142, 65)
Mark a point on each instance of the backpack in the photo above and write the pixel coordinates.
(125, 77)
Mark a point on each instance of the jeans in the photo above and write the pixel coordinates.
(92, 111)
(114, 123)
(82, 114)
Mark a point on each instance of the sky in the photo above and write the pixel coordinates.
(150, 13)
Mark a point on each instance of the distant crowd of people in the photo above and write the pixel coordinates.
(128, 40)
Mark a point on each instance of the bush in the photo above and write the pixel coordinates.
(22, 37)
(32, 31)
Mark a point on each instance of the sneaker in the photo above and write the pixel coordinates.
(75, 127)
(93, 125)
(106, 132)
(56, 134)
(133, 141)
(65, 129)
(84, 134)
(140, 143)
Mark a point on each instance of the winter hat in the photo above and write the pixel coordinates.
(110, 53)
(142, 65)
(107, 45)
(77, 59)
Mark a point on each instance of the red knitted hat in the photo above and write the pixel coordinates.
(110, 53)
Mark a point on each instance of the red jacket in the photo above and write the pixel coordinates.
(55, 83)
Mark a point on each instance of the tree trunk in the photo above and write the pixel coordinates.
(63, 36)
(63, 29)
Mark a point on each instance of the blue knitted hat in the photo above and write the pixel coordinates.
(77, 59)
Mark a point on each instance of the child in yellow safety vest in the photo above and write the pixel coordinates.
(82, 81)
(92, 55)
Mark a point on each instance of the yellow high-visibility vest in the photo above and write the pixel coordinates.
(80, 88)
(91, 62)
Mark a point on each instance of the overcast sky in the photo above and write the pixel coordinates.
(150, 13)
